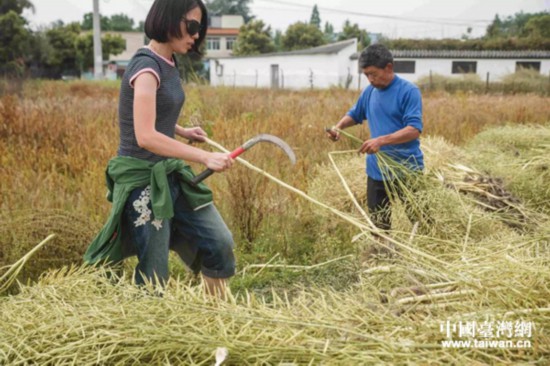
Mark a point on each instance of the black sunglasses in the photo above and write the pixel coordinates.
(193, 27)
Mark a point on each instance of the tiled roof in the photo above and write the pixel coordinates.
(326, 49)
(222, 32)
(470, 54)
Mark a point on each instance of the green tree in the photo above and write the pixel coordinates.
(328, 33)
(495, 28)
(254, 38)
(116, 23)
(84, 45)
(88, 22)
(521, 31)
(502, 43)
(14, 40)
(63, 42)
(538, 26)
(301, 35)
(15, 37)
(15, 5)
(40, 51)
(353, 31)
(278, 40)
(57, 24)
(121, 23)
(315, 17)
(140, 27)
(513, 26)
(111, 44)
(230, 7)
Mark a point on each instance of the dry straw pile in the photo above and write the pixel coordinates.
(481, 255)
(485, 260)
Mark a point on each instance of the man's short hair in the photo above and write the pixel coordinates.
(165, 16)
(376, 55)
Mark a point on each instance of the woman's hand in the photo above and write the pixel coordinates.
(194, 134)
(219, 162)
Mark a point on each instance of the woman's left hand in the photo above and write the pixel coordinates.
(195, 134)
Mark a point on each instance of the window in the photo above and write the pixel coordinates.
(404, 67)
(212, 43)
(219, 69)
(532, 65)
(230, 42)
(464, 67)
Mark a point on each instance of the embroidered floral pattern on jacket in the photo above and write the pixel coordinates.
(141, 205)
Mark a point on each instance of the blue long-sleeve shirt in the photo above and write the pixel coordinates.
(387, 111)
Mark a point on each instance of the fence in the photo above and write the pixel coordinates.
(433, 82)
(286, 80)
(513, 84)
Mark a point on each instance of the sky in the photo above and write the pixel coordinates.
(392, 18)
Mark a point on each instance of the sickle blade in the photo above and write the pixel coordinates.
(264, 137)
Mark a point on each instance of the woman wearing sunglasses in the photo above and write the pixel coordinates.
(155, 209)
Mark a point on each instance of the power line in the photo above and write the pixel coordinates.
(440, 21)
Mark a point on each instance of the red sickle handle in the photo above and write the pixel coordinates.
(238, 151)
(208, 172)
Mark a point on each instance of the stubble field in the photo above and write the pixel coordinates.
(301, 294)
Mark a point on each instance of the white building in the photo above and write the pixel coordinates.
(222, 34)
(114, 68)
(319, 67)
(220, 38)
(336, 64)
(134, 41)
(414, 64)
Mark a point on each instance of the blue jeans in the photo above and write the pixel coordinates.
(201, 238)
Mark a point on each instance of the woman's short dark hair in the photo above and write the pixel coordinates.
(164, 20)
(376, 55)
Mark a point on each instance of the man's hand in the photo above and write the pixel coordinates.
(332, 133)
(406, 134)
(371, 146)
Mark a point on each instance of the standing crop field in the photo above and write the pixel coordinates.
(478, 273)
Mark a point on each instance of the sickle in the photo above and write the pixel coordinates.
(264, 137)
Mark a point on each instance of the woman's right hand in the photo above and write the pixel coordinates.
(219, 162)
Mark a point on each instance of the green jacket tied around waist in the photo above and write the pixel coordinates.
(124, 174)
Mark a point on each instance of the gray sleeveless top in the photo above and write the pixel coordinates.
(170, 99)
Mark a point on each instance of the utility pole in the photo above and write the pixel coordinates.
(98, 58)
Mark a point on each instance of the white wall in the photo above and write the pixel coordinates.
(347, 68)
(295, 71)
(333, 70)
(497, 68)
(232, 21)
(134, 41)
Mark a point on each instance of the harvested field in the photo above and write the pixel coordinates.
(477, 269)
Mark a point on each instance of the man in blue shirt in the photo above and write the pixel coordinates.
(393, 108)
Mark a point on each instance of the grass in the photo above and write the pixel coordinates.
(301, 295)
(520, 82)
